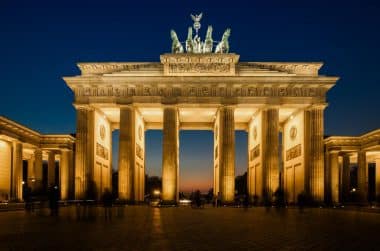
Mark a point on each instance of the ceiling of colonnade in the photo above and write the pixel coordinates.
(203, 116)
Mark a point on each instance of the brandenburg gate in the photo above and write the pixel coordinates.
(279, 104)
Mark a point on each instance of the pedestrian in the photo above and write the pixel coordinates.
(28, 199)
(219, 200)
(107, 204)
(53, 200)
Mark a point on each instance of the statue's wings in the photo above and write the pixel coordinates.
(200, 16)
(193, 17)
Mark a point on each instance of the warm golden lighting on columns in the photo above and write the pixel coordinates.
(226, 144)
(126, 153)
(170, 158)
(17, 171)
(270, 131)
(377, 178)
(31, 178)
(345, 177)
(362, 176)
(334, 176)
(64, 167)
(84, 149)
(38, 169)
(314, 154)
(51, 168)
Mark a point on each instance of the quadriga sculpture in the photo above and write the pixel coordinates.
(224, 46)
(176, 45)
(208, 44)
(189, 41)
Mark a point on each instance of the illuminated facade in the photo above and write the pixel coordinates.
(346, 156)
(22, 148)
(280, 105)
(198, 86)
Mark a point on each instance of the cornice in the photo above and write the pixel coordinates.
(23, 134)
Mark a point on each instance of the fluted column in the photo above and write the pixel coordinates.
(333, 183)
(84, 150)
(16, 192)
(346, 177)
(38, 169)
(377, 178)
(64, 167)
(362, 176)
(270, 162)
(51, 168)
(126, 153)
(170, 155)
(314, 152)
(227, 153)
(31, 177)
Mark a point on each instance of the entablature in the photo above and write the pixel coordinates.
(366, 142)
(13, 131)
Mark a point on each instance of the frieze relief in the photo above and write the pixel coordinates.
(293, 152)
(200, 91)
(199, 64)
(104, 68)
(254, 153)
(101, 151)
(139, 152)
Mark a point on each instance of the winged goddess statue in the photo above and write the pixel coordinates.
(197, 21)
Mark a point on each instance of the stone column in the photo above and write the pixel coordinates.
(38, 169)
(71, 176)
(346, 177)
(362, 176)
(170, 155)
(64, 167)
(31, 177)
(227, 154)
(51, 169)
(16, 192)
(84, 151)
(334, 176)
(126, 153)
(270, 162)
(377, 179)
(314, 155)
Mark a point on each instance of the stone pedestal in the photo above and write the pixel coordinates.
(333, 184)
(16, 192)
(314, 167)
(362, 176)
(346, 177)
(84, 150)
(270, 137)
(51, 169)
(170, 155)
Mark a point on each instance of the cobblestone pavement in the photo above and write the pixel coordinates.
(146, 228)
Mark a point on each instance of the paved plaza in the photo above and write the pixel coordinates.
(146, 228)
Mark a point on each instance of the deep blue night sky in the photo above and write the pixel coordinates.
(42, 41)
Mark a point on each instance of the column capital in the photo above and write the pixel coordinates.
(125, 106)
(320, 106)
(270, 107)
(83, 107)
(333, 151)
(64, 150)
